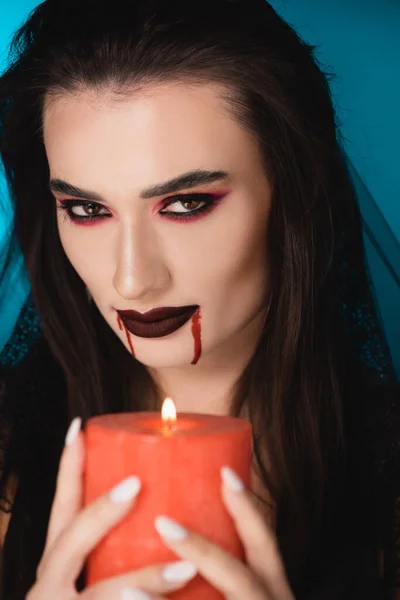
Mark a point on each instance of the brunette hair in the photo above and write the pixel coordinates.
(299, 383)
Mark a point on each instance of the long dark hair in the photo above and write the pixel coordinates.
(299, 383)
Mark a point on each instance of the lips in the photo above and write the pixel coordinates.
(158, 322)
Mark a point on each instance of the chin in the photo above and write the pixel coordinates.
(164, 358)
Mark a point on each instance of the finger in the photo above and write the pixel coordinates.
(65, 559)
(220, 568)
(68, 497)
(157, 579)
(261, 547)
(127, 594)
(137, 594)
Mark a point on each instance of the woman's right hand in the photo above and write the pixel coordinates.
(74, 531)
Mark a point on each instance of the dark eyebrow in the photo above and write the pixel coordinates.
(188, 180)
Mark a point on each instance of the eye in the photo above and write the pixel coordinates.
(189, 206)
(184, 206)
(80, 211)
(87, 210)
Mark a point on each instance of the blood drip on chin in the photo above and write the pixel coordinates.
(119, 322)
(127, 333)
(196, 332)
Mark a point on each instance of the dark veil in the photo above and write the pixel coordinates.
(377, 406)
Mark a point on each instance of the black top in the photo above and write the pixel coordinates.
(343, 564)
(360, 518)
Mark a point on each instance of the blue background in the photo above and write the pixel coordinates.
(359, 41)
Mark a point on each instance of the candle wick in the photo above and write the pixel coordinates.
(169, 425)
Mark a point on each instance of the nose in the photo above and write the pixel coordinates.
(140, 273)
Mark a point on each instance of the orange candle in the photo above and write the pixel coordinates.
(178, 460)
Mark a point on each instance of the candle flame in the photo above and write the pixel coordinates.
(168, 411)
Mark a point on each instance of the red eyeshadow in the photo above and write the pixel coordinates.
(214, 201)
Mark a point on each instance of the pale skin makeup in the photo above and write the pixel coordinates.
(144, 253)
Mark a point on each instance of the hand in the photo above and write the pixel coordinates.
(261, 578)
(73, 533)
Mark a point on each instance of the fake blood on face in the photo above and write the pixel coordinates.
(196, 332)
(127, 333)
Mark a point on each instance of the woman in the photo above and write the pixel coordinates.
(186, 156)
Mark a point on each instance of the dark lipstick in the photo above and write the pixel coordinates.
(158, 322)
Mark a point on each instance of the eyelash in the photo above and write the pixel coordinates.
(209, 201)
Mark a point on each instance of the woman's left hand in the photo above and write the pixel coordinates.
(262, 577)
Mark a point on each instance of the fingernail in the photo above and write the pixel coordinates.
(126, 490)
(170, 529)
(73, 431)
(231, 479)
(180, 571)
(134, 594)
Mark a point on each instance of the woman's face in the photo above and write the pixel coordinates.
(199, 241)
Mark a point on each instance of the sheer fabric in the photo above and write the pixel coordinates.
(31, 422)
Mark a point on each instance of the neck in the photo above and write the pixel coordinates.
(209, 386)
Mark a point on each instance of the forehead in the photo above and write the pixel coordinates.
(93, 137)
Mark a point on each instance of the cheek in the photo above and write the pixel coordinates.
(226, 271)
(230, 255)
(87, 254)
(69, 243)
(239, 288)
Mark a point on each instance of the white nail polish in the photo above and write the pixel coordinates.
(126, 490)
(231, 479)
(134, 594)
(180, 571)
(73, 431)
(169, 529)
